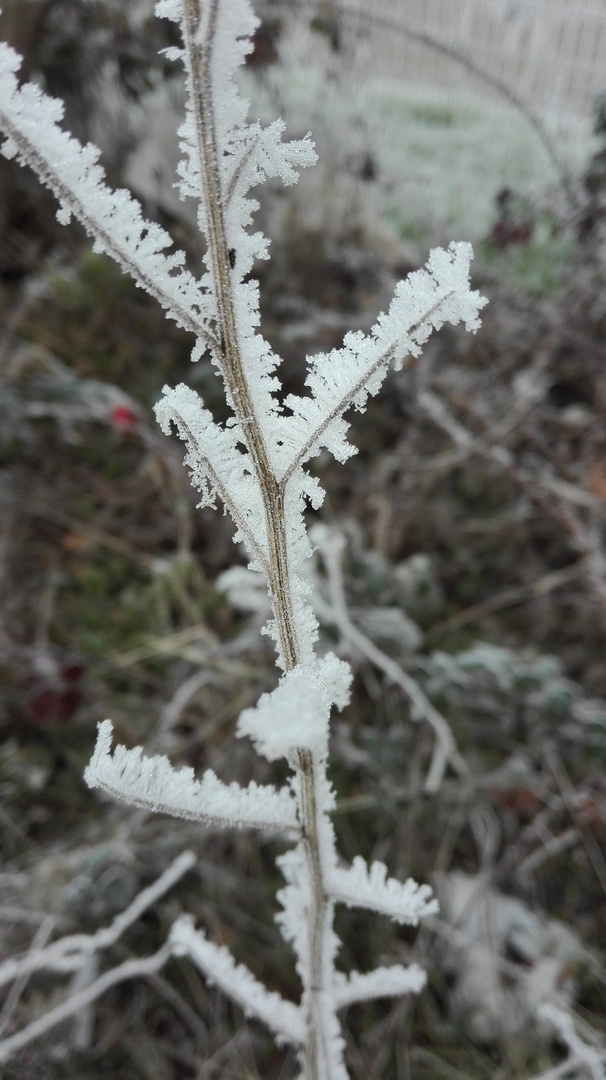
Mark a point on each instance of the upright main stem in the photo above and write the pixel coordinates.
(315, 1053)
(199, 48)
(230, 359)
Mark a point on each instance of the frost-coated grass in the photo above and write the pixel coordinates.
(255, 464)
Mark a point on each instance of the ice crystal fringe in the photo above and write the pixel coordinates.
(31, 119)
(151, 782)
(369, 887)
(382, 982)
(255, 465)
(219, 966)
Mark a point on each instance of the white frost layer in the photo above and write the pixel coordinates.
(153, 783)
(382, 982)
(31, 122)
(219, 465)
(297, 713)
(220, 968)
(369, 887)
(424, 301)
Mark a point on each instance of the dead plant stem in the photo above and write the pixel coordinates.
(199, 44)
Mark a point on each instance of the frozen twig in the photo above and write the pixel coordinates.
(585, 538)
(516, 594)
(69, 953)
(182, 697)
(83, 1023)
(551, 848)
(330, 544)
(130, 969)
(39, 941)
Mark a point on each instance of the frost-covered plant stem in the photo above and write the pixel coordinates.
(255, 463)
(200, 40)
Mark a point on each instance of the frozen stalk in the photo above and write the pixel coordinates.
(255, 464)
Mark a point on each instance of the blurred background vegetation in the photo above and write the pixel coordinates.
(474, 515)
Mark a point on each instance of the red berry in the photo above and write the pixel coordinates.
(123, 418)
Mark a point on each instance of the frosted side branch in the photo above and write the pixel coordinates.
(219, 966)
(153, 783)
(369, 887)
(382, 982)
(30, 120)
(427, 299)
(220, 147)
(218, 466)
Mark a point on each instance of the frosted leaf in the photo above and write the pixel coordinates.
(337, 676)
(382, 982)
(245, 153)
(296, 714)
(153, 783)
(499, 662)
(31, 120)
(220, 968)
(218, 465)
(344, 377)
(172, 53)
(369, 887)
(169, 9)
(391, 628)
(9, 149)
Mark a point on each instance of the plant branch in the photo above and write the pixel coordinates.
(346, 376)
(152, 783)
(382, 982)
(130, 969)
(217, 963)
(445, 750)
(199, 57)
(74, 177)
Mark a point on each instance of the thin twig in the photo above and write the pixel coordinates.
(517, 594)
(445, 749)
(130, 969)
(68, 953)
(594, 853)
(586, 542)
(39, 941)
